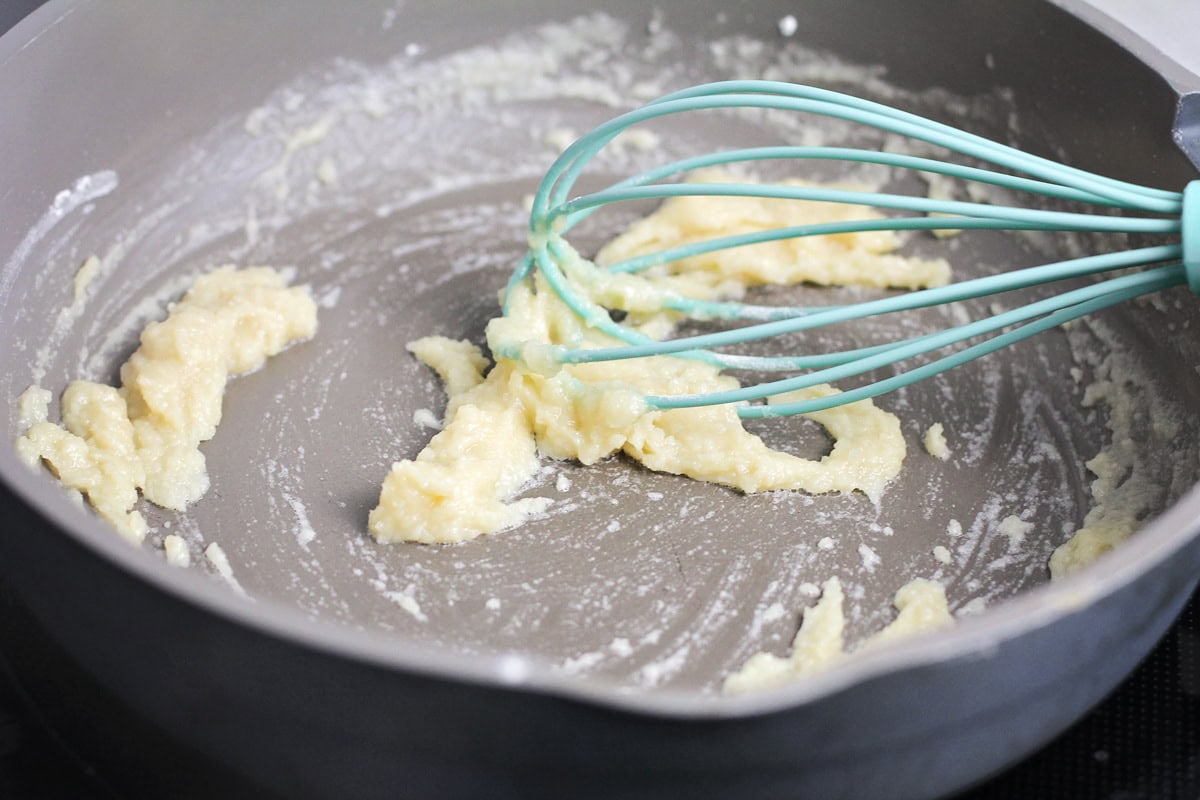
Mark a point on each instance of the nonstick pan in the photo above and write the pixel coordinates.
(382, 153)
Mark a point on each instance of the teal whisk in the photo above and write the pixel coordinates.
(1154, 211)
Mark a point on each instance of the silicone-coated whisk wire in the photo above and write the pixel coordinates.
(1128, 208)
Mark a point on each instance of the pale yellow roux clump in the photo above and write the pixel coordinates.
(935, 442)
(33, 406)
(457, 487)
(145, 436)
(176, 551)
(460, 485)
(83, 278)
(819, 643)
(1126, 489)
(850, 259)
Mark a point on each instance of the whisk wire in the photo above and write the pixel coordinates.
(809, 319)
(947, 136)
(853, 155)
(1063, 308)
(563, 174)
(963, 290)
(554, 213)
(964, 356)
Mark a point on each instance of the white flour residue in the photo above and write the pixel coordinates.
(407, 602)
(86, 189)
(220, 562)
(304, 529)
(291, 141)
(870, 559)
(976, 605)
(82, 193)
(621, 647)
(774, 611)
(1015, 529)
(582, 662)
(656, 672)
(426, 419)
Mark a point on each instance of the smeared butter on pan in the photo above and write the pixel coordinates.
(462, 484)
(846, 259)
(145, 435)
(1127, 489)
(819, 644)
(459, 485)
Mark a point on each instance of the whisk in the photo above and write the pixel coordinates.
(1154, 211)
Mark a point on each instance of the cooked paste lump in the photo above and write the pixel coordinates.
(462, 484)
(1127, 489)
(847, 259)
(819, 644)
(145, 435)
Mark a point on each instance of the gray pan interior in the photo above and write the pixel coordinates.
(437, 132)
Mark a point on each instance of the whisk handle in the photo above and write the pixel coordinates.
(1190, 219)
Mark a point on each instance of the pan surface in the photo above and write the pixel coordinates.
(383, 155)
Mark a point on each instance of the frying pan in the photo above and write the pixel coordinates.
(381, 152)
